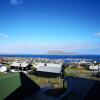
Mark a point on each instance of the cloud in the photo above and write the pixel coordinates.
(35, 48)
(97, 34)
(2, 35)
(16, 2)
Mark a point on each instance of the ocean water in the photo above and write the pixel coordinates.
(66, 58)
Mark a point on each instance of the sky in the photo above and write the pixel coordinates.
(37, 26)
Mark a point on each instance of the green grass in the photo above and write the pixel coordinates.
(8, 83)
(79, 73)
(42, 81)
(69, 74)
(1, 74)
(71, 68)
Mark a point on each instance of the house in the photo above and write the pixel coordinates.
(81, 89)
(3, 68)
(96, 67)
(3, 61)
(49, 70)
(21, 66)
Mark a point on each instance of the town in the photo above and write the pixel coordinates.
(49, 49)
(50, 74)
(32, 65)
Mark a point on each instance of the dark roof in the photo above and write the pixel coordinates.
(84, 89)
(94, 93)
(15, 86)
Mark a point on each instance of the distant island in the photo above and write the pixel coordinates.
(58, 52)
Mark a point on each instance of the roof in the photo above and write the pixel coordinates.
(49, 65)
(16, 85)
(15, 64)
(54, 65)
(94, 92)
(83, 87)
(24, 64)
(49, 69)
(19, 64)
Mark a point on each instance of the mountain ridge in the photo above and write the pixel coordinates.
(59, 52)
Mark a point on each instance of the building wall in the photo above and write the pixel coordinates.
(47, 74)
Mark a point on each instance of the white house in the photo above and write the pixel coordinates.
(3, 68)
(49, 69)
(21, 66)
(94, 67)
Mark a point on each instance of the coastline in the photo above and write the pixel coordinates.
(65, 58)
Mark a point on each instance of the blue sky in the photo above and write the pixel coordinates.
(36, 26)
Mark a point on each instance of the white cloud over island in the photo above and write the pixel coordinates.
(79, 48)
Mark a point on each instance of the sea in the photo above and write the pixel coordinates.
(65, 58)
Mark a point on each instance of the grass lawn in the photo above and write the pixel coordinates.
(79, 73)
(75, 71)
(68, 73)
(42, 81)
(71, 68)
(1, 74)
